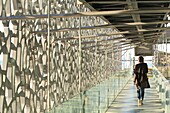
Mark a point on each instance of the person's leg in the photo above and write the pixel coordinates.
(142, 94)
(139, 96)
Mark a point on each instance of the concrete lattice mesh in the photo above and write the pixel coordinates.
(23, 73)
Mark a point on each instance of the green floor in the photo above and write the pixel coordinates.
(126, 102)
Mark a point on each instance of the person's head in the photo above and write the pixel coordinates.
(141, 59)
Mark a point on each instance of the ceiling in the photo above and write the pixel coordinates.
(145, 23)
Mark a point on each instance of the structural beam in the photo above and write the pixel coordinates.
(124, 32)
(120, 38)
(94, 13)
(112, 39)
(125, 2)
(103, 26)
(120, 43)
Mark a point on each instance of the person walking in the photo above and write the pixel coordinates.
(141, 79)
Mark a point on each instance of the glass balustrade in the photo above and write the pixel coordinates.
(163, 88)
(98, 98)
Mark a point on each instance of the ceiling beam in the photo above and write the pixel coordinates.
(120, 38)
(93, 9)
(116, 50)
(143, 14)
(94, 13)
(132, 4)
(125, 2)
(111, 49)
(111, 39)
(165, 16)
(106, 45)
(103, 26)
(123, 32)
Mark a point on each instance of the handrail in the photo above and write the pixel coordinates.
(159, 73)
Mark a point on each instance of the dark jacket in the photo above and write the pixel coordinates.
(140, 72)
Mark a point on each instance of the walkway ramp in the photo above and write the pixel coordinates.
(126, 102)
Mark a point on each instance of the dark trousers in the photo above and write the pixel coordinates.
(140, 93)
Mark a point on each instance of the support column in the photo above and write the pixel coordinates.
(48, 77)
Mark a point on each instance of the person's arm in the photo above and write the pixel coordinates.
(146, 68)
(134, 80)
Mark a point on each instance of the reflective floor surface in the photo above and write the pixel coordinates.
(126, 102)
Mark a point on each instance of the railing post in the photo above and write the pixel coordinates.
(108, 96)
(98, 102)
(167, 99)
(163, 91)
(159, 87)
(48, 40)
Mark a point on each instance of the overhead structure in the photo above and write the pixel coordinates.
(145, 14)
